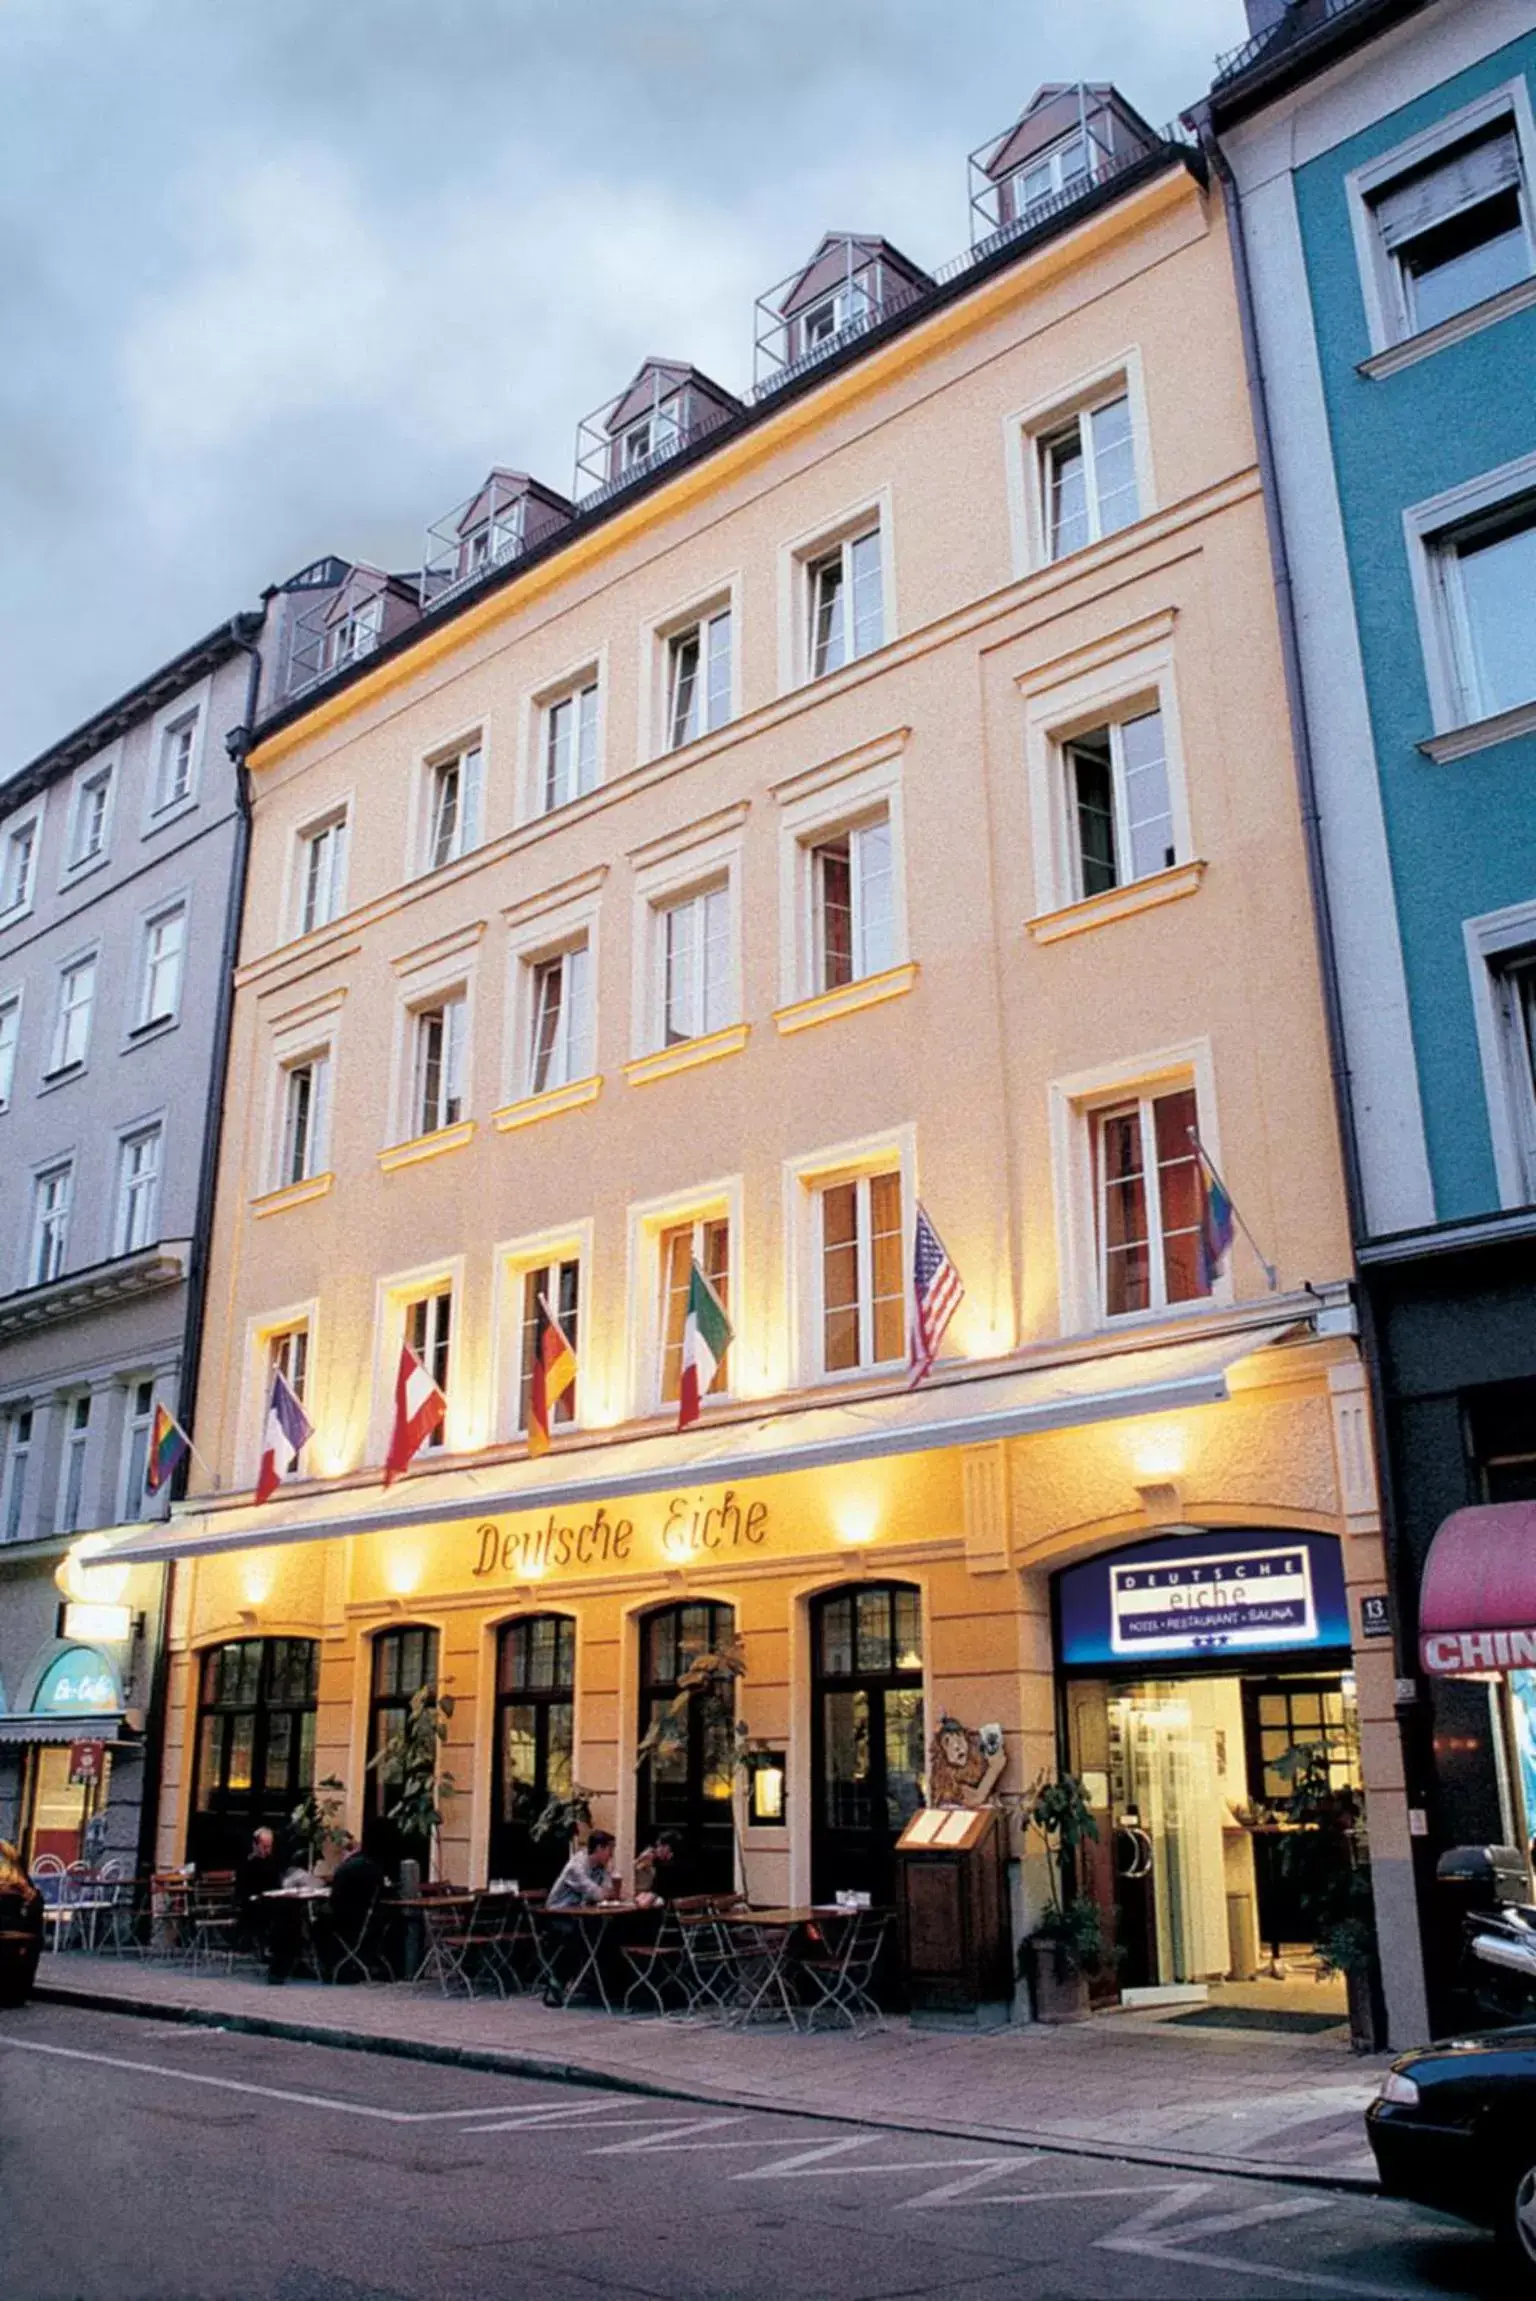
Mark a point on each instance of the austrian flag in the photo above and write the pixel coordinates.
(288, 1426)
(706, 1339)
(419, 1408)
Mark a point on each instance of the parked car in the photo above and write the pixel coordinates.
(1454, 2128)
(21, 1928)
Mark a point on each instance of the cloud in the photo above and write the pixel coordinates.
(289, 280)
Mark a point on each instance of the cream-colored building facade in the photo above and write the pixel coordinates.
(977, 878)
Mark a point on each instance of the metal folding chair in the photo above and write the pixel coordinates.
(352, 1949)
(215, 1920)
(446, 1961)
(841, 1981)
(659, 1965)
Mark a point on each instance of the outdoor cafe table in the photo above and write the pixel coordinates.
(594, 1920)
(305, 1902)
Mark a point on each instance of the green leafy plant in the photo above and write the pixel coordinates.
(407, 1766)
(316, 1821)
(1055, 1811)
(561, 1818)
(1323, 1852)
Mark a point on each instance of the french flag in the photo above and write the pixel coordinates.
(419, 1407)
(288, 1426)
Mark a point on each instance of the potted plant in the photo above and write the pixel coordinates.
(407, 1765)
(316, 1822)
(1323, 1850)
(1067, 1942)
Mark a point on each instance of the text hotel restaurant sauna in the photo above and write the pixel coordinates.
(873, 788)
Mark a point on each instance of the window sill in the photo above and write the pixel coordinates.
(1118, 903)
(172, 812)
(1480, 735)
(687, 1054)
(73, 873)
(1455, 330)
(548, 1105)
(423, 1147)
(292, 1194)
(60, 1078)
(155, 1028)
(847, 999)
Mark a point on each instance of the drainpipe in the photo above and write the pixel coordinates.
(244, 631)
(1317, 885)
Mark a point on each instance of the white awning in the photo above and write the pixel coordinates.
(970, 1411)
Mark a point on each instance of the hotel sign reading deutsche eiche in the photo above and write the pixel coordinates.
(679, 1530)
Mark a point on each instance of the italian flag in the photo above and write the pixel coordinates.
(706, 1339)
(419, 1408)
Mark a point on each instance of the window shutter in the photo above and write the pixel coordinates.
(1457, 181)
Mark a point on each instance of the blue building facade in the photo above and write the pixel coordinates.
(1382, 161)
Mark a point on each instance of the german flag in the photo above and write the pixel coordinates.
(554, 1371)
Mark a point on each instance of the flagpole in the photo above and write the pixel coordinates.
(1271, 1273)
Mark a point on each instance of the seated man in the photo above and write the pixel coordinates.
(356, 1885)
(584, 1883)
(268, 1927)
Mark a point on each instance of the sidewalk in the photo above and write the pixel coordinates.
(1133, 2085)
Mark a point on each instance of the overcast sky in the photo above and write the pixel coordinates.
(287, 278)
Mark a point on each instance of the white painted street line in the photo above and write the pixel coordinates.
(790, 2166)
(235, 2084)
(1230, 2264)
(670, 2136)
(953, 2189)
(552, 2118)
(1149, 2237)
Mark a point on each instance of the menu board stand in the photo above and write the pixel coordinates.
(955, 1923)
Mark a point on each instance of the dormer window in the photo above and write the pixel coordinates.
(1052, 172)
(357, 634)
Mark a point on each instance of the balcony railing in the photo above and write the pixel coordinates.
(858, 286)
(1301, 18)
(498, 523)
(642, 427)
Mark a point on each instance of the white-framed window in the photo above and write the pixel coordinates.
(1042, 177)
(287, 1354)
(18, 863)
(160, 965)
(1104, 758)
(696, 991)
(823, 322)
(559, 1005)
(851, 897)
(18, 1458)
(52, 1196)
(1088, 481)
(90, 818)
(558, 1283)
(355, 633)
(845, 592)
(652, 435)
(77, 1446)
(322, 872)
(1515, 991)
(1147, 1201)
(1443, 223)
(176, 761)
(72, 1023)
(454, 804)
(139, 1161)
(138, 1421)
(1501, 963)
(1119, 801)
(568, 744)
(707, 1241)
(699, 678)
(306, 1100)
(439, 1041)
(860, 1266)
(842, 896)
(429, 1331)
(10, 1038)
(1472, 556)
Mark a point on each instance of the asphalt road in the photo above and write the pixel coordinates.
(141, 2161)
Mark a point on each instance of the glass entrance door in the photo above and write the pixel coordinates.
(868, 1735)
(688, 1783)
(535, 1738)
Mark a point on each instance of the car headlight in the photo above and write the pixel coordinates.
(1396, 2087)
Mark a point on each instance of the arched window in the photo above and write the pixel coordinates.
(255, 1744)
(535, 1737)
(687, 1785)
(867, 1734)
(404, 1661)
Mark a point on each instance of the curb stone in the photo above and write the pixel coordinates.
(500, 2061)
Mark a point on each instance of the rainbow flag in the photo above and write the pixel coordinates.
(168, 1443)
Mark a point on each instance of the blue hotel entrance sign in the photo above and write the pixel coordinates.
(1200, 1597)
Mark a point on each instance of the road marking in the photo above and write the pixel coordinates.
(238, 2085)
(1315, 2280)
(1148, 2237)
(953, 2189)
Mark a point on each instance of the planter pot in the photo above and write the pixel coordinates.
(1058, 1986)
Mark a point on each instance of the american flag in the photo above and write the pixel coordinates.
(936, 1294)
